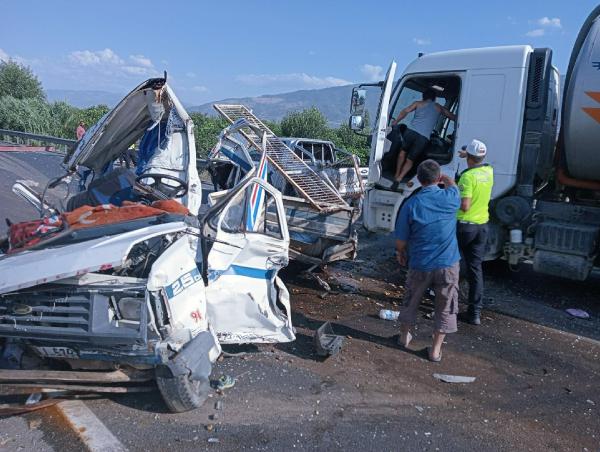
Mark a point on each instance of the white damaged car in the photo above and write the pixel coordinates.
(128, 276)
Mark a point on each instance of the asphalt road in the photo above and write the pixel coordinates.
(35, 167)
(537, 376)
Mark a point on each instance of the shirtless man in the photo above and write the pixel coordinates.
(80, 132)
(416, 137)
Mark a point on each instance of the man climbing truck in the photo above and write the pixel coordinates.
(545, 205)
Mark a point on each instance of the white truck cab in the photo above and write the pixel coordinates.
(495, 94)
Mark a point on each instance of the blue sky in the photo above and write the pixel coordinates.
(231, 48)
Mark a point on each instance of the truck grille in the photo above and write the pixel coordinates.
(65, 317)
(47, 315)
(534, 93)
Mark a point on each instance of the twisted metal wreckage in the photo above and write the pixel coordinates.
(129, 276)
(322, 203)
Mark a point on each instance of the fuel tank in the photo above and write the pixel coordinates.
(581, 103)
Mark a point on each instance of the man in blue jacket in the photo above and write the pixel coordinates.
(426, 239)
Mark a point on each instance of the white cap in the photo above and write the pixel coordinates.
(475, 148)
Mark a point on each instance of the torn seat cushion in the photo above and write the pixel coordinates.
(93, 216)
(30, 233)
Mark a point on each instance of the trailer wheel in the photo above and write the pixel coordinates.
(181, 393)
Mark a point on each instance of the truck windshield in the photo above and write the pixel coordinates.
(437, 125)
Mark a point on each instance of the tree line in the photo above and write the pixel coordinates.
(25, 107)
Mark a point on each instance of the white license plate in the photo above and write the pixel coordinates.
(57, 352)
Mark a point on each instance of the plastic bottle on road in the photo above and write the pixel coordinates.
(386, 314)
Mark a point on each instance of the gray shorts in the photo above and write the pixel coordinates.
(444, 282)
(414, 144)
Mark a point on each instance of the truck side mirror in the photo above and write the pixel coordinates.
(357, 123)
(357, 108)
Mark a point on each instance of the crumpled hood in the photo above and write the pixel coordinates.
(125, 124)
(31, 268)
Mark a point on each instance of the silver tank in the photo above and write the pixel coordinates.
(581, 103)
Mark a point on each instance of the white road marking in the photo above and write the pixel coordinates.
(93, 433)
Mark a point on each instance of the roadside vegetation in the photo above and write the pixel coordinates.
(24, 107)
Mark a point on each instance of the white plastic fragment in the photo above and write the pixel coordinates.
(33, 398)
(453, 378)
(579, 313)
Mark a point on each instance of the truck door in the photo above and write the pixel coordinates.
(245, 243)
(381, 122)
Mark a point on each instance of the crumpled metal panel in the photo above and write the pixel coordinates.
(31, 268)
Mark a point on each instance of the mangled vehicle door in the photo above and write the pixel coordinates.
(245, 242)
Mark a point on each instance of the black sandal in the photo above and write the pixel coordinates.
(431, 358)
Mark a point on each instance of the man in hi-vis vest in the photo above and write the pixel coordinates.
(475, 185)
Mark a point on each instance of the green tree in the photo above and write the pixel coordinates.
(206, 132)
(309, 123)
(274, 126)
(19, 82)
(64, 116)
(345, 138)
(89, 116)
(26, 115)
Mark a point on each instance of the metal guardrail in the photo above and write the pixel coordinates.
(68, 144)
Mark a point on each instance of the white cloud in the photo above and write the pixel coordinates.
(141, 60)
(190, 74)
(544, 24)
(200, 89)
(312, 52)
(371, 72)
(19, 59)
(298, 80)
(511, 20)
(421, 41)
(98, 57)
(546, 21)
(536, 33)
(135, 70)
(108, 62)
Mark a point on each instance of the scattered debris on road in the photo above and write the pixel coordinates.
(33, 398)
(327, 342)
(225, 382)
(453, 378)
(323, 283)
(387, 314)
(579, 313)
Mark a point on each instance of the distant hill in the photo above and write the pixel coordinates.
(333, 102)
(84, 99)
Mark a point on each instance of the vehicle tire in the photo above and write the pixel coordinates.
(181, 393)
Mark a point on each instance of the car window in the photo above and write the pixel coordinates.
(252, 211)
(261, 212)
(233, 217)
(329, 155)
(308, 148)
